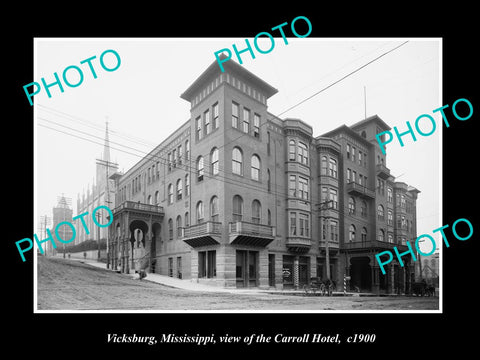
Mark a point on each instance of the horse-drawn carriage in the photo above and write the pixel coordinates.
(316, 284)
(423, 289)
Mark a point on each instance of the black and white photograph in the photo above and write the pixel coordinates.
(244, 187)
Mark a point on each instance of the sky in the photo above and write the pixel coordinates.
(141, 100)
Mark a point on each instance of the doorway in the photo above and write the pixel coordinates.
(246, 268)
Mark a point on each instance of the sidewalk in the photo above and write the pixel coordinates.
(192, 285)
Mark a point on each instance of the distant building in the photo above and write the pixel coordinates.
(237, 197)
(102, 192)
(62, 212)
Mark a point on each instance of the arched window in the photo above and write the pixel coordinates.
(237, 161)
(324, 166)
(214, 161)
(364, 234)
(170, 194)
(364, 134)
(351, 233)
(170, 229)
(157, 199)
(179, 189)
(214, 208)
(187, 219)
(255, 167)
(200, 214)
(149, 200)
(200, 168)
(363, 209)
(380, 212)
(291, 150)
(179, 226)
(302, 153)
(187, 185)
(390, 238)
(351, 205)
(381, 235)
(237, 208)
(256, 211)
(269, 218)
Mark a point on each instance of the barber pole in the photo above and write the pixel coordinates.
(345, 278)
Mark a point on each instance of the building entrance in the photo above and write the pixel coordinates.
(246, 268)
(360, 273)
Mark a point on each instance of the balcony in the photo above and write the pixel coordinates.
(372, 245)
(250, 234)
(383, 172)
(140, 207)
(203, 234)
(298, 245)
(359, 190)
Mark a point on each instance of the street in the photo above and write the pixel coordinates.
(71, 285)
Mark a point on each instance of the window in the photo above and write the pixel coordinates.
(323, 165)
(390, 217)
(268, 143)
(334, 230)
(303, 188)
(269, 217)
(333, 168)
(351, 205)
(256, 211)
(200, 168)
(170, 229)
(206, 120)
(402, 203)
(349, 175)
(215, 115)
(256, 125)
(214, 161)
(389, 195)
(187, 185)
(179, 267)
(179, 226)
(235, 115)
(380, 212)
(381, 186)
(214, 209)
(348, 151)
(187, 150)
(269, 181)
(304, 225)
(354, 176)
(293, 224)
(302, 153)
(363, 208)
(170, 194)
(381, 235)
(329, 194)
(291, 150)
(170, 267)
(246, 120)
(351, 233)
(359, 157)
(179, 189)
(200, 212)
(207, 264)
(365, 159)
(169, 161)
(390, 238)
(179, 154)
(198, 126)
(353, 153)
(364, 234)
(292, 186)
(237, 208)
(157, 198)
(360, 179)
(237, 161)
(174, 157)
(255, 167)
(187, 219)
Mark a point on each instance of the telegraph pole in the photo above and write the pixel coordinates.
(65, 203)
(44, 221)
(327, 205)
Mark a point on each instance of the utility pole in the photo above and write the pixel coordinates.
(44, 221)
(327, 205)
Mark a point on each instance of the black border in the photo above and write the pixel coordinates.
(66, 334)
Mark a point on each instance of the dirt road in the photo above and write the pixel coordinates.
(70, 285)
